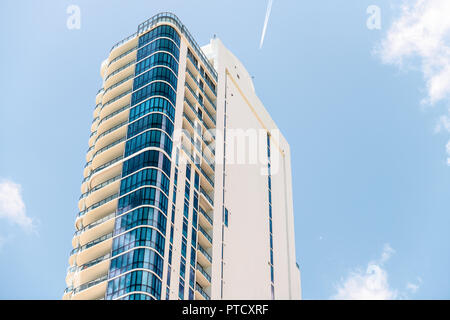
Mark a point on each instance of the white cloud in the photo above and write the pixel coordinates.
(413, 287)
(12, 206)
(369, 284)
(420, 38)
(387, 253)
(443, 124)
(422, 32)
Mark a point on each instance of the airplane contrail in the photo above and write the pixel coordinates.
(266, 21)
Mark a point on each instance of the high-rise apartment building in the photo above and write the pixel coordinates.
(187, 190)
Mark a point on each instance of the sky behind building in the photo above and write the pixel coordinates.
(364, 111)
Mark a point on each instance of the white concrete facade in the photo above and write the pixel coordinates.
(246, 239)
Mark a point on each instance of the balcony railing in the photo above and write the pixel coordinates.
(196, 113)
(120, 69)
(203, 293)
(92, 263)
(109, 116)
(206, 216)
(91, 243)
(100, 186)
(213, 90)
(203, 272)
(207, 196)
(90, 284)
(201, 89)
(98, 204)
(109, 146)
(68, 290)
(107, 164)
(122, 55)
(207, 177)
(201, 103)
(115, 85)
(117, 97)
(206, 254)
(103, 166)
(207, 236)
(95, 261)
(111, 130)
(95, 223)
(130, 37)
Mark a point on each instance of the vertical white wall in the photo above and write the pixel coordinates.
(247, 247)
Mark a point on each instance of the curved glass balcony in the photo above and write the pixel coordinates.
(117, 98)
(89, 284)
(95, 223)
(95, 262)
(120, 69)
(107, 164)
(91, 243)
(122, 55)
(109, 146)
(109, 116)
(103, 166)
(118, 44)
(111, 130)
(98, 187)
(68, 290)
(117, 84)
(98, 204)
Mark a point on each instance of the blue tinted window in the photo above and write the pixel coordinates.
(157, 104)
(151, 158)
(151, 138)
(158, 45)
(157, 73)
(138, 258)
(153, 120)
(140, 237)
(160, 31)
(142, 216)
(145, 177)
(160, 58)
(154, 89)
(143, 196)
(134, 281)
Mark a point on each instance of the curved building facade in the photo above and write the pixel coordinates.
(154, 219)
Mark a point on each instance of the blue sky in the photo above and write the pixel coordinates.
(365, 112)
